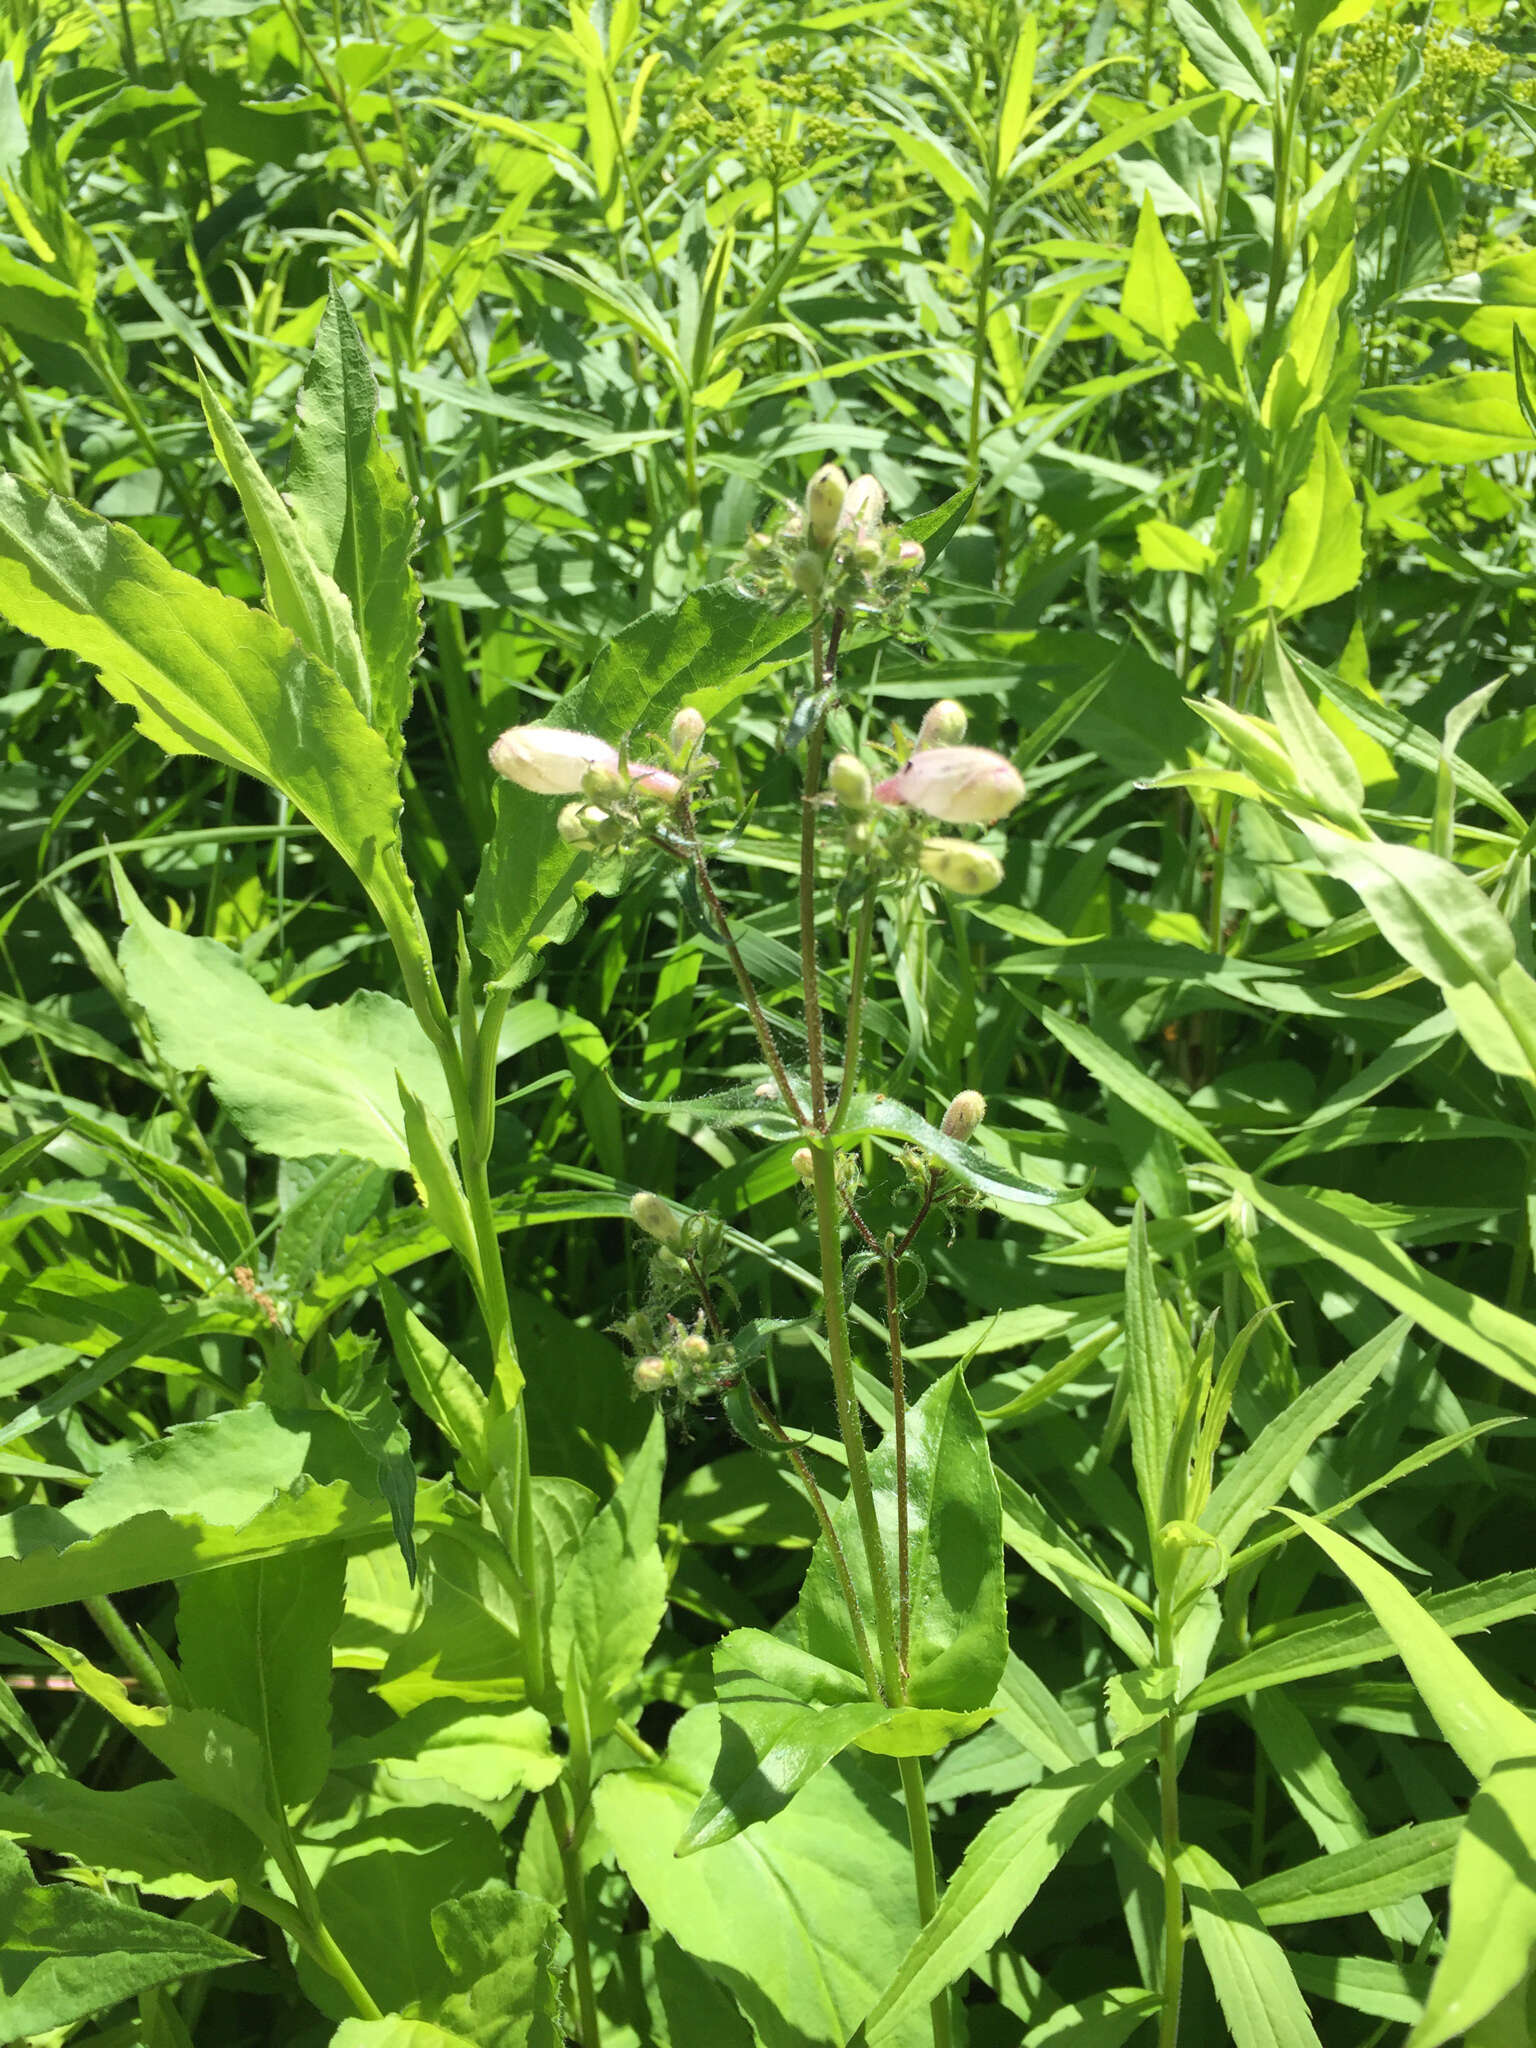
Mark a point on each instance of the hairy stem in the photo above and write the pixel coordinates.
(890, 1267)
(853, 1033)
(927, 1875)
(809, 970)
(589, 2033)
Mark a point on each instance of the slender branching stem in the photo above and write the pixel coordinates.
(815, 1049)
(891, 1268)
(926, 1872)
(755, 1010)
(1168, 1800)
(835, 1550)
(854, 1031)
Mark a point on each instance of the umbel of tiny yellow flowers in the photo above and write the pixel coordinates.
(956, 865)
(552, 762)
(959, 785)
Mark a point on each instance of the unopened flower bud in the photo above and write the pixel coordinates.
(694, 1349)
(961, 785)
(824, 496)
(910, 557)
(963, 1115)
(687, 731)
(656, 782)
(943, 725)
(864, 504)
(655, 1217)
(766, 1091)
(808, 572)
(549, 761)
(652, 1375)
(803, 1163)
(963, 869)
(850, 782)
(575, 822)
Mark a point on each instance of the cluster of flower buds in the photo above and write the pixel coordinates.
(834, 549)
(680, 1361)
(943, 779)
(618, 797)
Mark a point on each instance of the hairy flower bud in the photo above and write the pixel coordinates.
(963, 869)
(943, 725)
(910, 557)
(652, 1375)
(850, 782)
(803, 1163)
(963, 1115)
(549, 761)
(961, 785)
(694, 1349)
(656, 782)
(824, 496)
(863, 506)
(655, 1217)
(575, 824)
(808, 572)
(687, 731)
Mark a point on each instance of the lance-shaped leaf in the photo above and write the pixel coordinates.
(298, 1081)
(1254, 1984)
(65, 1953)
(208, 675)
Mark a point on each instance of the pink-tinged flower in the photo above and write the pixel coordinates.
(552, 762)
(548, 761)
(960, 785)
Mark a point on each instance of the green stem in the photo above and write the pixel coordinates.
(849, 1420)
(853, 1034)
(814, 1047)
(1173, 1890)
(127, 1645)
(589, 2032)
(891, 1271)
(926, 1872)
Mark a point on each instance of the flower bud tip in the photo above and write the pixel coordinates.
(963, 1115)
(655, 1217)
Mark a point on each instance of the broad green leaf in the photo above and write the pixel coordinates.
(705, 651)
(1221, 38)
(1491, 1945)
(1345, 1637)
(245, 1484)
(464, 1645)
(1001, 1871)
(489, 1752)
(439, 1385)
(1254, 1986)
(354, 514)
(206, 674)
(1260, 1475)
(213, 1757)
(395, 2032)
(1156, 296)
(1156, 1396)
(157, 1835)
(959, 1640)
(1481, 1726)
(299, 1082)
(609, 1604)
(300, 595)
(1317, 555)
(804, 1918)
(1402, 1865)
(255, 1644)
(783, 1715)
(65, 1953)
(1465, 418)
(498, 1945)
(1479, 1329)
(1444, 925)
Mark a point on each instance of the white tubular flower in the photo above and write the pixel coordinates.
(863, 506)
(943, 725)
(960, 785)
(963, 869)
(549, 761)
(655, 1217)
(963, 1115)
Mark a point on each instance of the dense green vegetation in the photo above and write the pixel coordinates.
(1060, 1566)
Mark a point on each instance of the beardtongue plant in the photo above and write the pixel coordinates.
(905, 1597)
